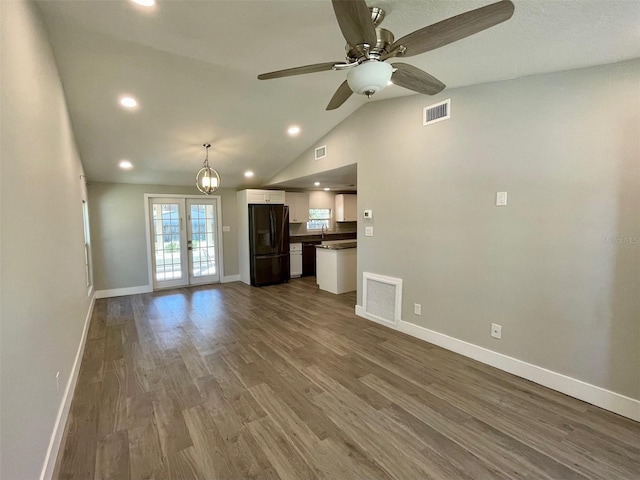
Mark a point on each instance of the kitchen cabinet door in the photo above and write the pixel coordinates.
(265, 196)
(298, 207)
(346, 208)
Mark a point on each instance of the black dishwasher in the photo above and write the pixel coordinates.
(309, 258)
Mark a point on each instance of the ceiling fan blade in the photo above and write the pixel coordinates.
(317, 67)
(342, 94)
(455, 28)
(355, 22)
(413, 78)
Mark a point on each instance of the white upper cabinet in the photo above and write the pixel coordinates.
(264, 196)
(298, 207)
(346, 208)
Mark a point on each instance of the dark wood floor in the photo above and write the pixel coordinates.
(234, 382)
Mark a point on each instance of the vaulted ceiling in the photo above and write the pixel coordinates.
(193, 66)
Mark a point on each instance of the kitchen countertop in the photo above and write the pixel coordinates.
(311, 237)
(339, 246)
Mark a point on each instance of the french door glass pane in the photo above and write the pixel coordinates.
(203, 240)
(166, 234)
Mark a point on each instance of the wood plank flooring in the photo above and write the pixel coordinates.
(285, 382)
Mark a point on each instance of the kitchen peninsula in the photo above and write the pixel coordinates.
(336, 267)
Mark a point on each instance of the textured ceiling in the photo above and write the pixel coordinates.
(193, 66)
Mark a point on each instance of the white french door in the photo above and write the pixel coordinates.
(202, 240)
(184, 241)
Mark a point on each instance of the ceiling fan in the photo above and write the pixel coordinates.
(369, 47)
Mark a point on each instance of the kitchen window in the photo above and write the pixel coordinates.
(318, 218)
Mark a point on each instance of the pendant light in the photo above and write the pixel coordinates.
(207, 179)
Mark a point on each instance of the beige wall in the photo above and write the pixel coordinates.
(44, 293)
(548, 267)
(119, 236)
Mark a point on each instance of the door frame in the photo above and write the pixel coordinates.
(147, 223)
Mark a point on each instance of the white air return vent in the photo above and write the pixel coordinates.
(436, 113)
(321, 152)
(382, 297)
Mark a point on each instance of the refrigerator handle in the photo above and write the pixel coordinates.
(284, 228)
(272, 228)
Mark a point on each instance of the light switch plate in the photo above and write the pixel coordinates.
(368, 231)
(226, 228)
(501, 199)
(368, 214)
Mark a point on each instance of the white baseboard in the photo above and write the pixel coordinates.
(598, 396)
(230, 278)
(65, 405)
(119, 292)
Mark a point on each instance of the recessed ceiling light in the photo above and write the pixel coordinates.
(293, 130)
(125, 165)
(317, 184)
(248, 174)
(145, 3)
(128, 102)
(326, 189)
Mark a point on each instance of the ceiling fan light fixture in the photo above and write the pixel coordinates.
(369, 77)
(207, 179)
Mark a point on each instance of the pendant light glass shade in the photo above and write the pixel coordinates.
(207, 179)
(369, 77)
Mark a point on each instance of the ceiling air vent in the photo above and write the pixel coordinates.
(321, 152)
(437, 112)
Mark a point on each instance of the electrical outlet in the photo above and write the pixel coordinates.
(496, 330)
(417, 309)
(58, 382)
(501, 199)
(226, 228)
(368, 231)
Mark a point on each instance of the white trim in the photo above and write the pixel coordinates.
(598, 396)
(63, 412)
(361, 312)
(119, 292)
(230, 278)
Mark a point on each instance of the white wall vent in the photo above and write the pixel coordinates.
(437, 112)
(321, 152)
(382, 297)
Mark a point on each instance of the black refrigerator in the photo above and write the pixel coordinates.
(269, 244)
